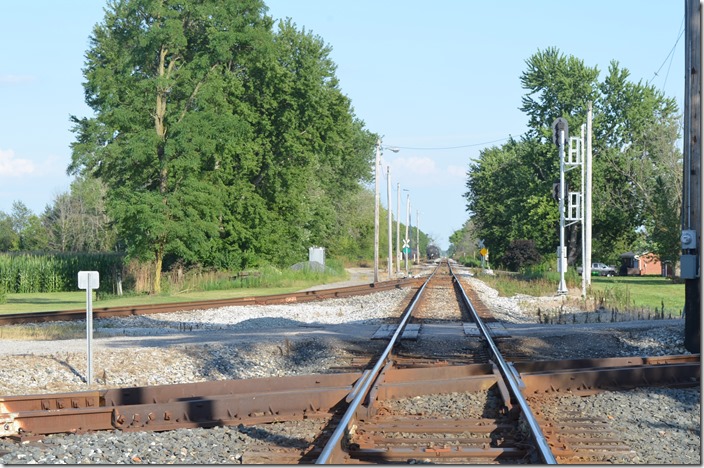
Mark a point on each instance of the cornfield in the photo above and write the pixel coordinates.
(55, 272)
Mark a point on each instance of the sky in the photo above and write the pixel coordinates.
(439, 81)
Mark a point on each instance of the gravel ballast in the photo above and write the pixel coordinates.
(306, 338)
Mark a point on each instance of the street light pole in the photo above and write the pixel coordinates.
(408, 221)
(418, 236)
(388, 205)
(398, 227)
(376, 211)
(377, 164)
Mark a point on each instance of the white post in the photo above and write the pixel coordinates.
(376, 212)
(581, 214)
(398, 228)
(587, 265)
(408, 221)
(89, 331)
(89, 280)
(388, 205)
(562, 288)
(418, 236)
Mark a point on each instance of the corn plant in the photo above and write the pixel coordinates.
(54, 272)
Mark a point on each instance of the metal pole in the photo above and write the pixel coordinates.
(581, 215)
(562, 288)
(408, 221)
(418, 236)
(398, 228)
(388, 205)
(587, 263)
(89, 331)
(376, 211)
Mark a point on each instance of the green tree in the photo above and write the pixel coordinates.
(8, 237)
(556, 86)
(155, 72)
(463, 242)
(309, 152)
(638, 175)
(77, 221)
(509, 195)
(220, 142)
(28, 229)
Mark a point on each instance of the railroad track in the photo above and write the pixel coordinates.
(124, 311)
(375, 413)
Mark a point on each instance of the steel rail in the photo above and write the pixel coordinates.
(123, 311)
(335, 441)
(509, 377)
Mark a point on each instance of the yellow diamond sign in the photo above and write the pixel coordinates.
(484, 251)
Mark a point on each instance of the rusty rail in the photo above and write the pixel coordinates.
(333, 452)
(169, 407)
(509, 377)
(124, 311)
(270, 399)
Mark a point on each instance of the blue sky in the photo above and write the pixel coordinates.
(425, 75)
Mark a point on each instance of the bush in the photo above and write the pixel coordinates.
(520, 254)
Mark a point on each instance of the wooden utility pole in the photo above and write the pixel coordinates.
(690, 261)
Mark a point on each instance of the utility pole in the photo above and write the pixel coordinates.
(398, 228)
(376, 211)
(408, 221)
(388, 205)
(690, 267)
(418, 236)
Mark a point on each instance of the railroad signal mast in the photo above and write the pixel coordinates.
(571, 204)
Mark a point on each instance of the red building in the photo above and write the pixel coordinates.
(644, 264)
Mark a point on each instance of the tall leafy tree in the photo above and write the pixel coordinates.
(556, 86)
(220, 141)
(509, 195)
(309, 151)
(637, 165)
(154, 72)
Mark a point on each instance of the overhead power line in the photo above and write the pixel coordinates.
(670, 56)
(439, 148)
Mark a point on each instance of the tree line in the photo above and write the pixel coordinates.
(637, 167)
